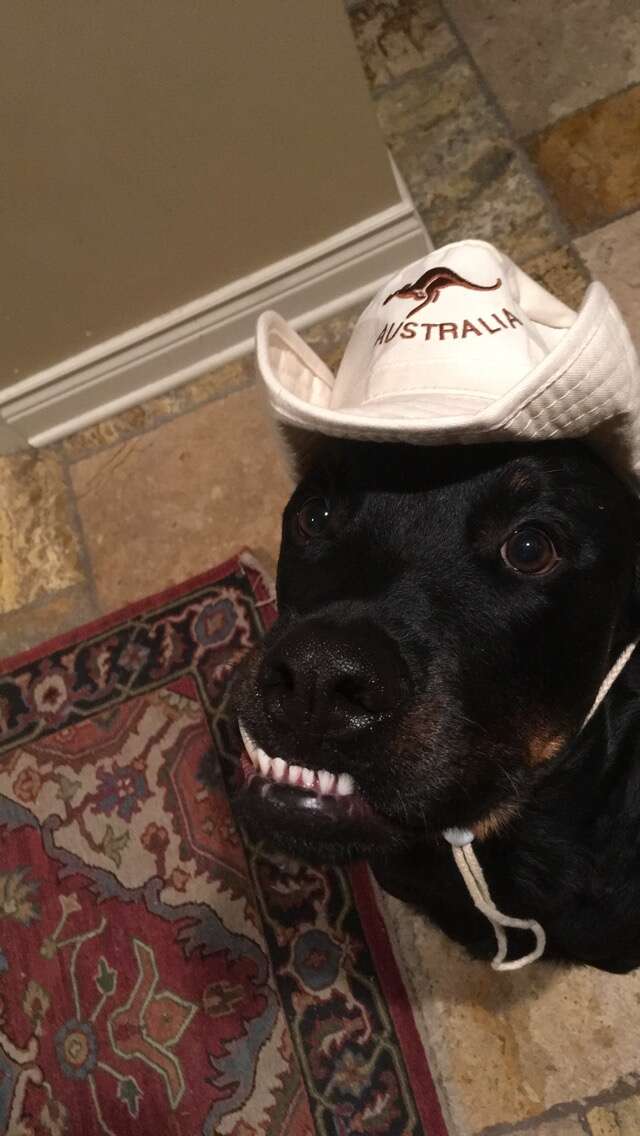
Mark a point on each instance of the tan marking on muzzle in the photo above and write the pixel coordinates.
(492, 824)
(542, 747)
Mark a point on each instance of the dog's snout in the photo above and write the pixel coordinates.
(332, 681)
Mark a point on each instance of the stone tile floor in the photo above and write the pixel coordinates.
(514, 121)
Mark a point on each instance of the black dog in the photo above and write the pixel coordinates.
(447, 616)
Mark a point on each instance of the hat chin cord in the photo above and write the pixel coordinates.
(461, 841)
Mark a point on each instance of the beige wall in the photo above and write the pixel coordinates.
(156, 151)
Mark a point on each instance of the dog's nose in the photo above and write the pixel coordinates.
(332, 681)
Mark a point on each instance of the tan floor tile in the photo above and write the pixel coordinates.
(602, 1122)
(591, 161)
(395, 37)
(179, 499)
(562, 273)
(612, 256)
(461, 169)
(545, 60)
(39, 547)
(29, 626)
(508, 1047)
(566, 1126)
(622, 1119)
(215, 384)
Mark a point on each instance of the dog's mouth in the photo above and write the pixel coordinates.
(298, 789)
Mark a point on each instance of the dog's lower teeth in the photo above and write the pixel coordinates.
(326, 781)
(308, 778)
(346, 786)
(264, 762)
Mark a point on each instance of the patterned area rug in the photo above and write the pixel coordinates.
(158, 974)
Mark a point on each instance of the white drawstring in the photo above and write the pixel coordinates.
(616, 669)
(461, 841)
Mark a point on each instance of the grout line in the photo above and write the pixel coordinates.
(581, 262)
(42, 600)
(162, 420)
(566, 230)
(602, 224)
(530, 1126)
(562, 230)
(623, 1089)
(85, 558)
(545, 130)
(427, 71)
(564, 1111)
(577, 261)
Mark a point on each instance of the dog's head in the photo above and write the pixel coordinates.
(446, 618)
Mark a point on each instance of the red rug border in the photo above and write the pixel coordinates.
(397, 999)
(387, 971)
(112, 618)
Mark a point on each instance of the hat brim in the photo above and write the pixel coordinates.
(590, 379)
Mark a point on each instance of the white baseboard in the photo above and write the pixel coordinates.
(158, 355)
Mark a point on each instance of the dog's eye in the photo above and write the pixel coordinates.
(530, 552)
(313, 518)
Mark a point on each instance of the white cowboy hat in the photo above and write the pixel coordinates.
(460, 347)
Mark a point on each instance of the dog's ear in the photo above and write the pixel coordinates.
(303, 449)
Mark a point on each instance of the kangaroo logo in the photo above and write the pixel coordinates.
(428, 287)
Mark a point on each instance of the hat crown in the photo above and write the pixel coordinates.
(452, 331)
(462, 347)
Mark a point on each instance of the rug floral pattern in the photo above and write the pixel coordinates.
(157, 972)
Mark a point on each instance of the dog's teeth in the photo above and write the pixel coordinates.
(249, 745)
(264, 761)
(326, 781)
(274, 767)
(279, 768)
(346, 786)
